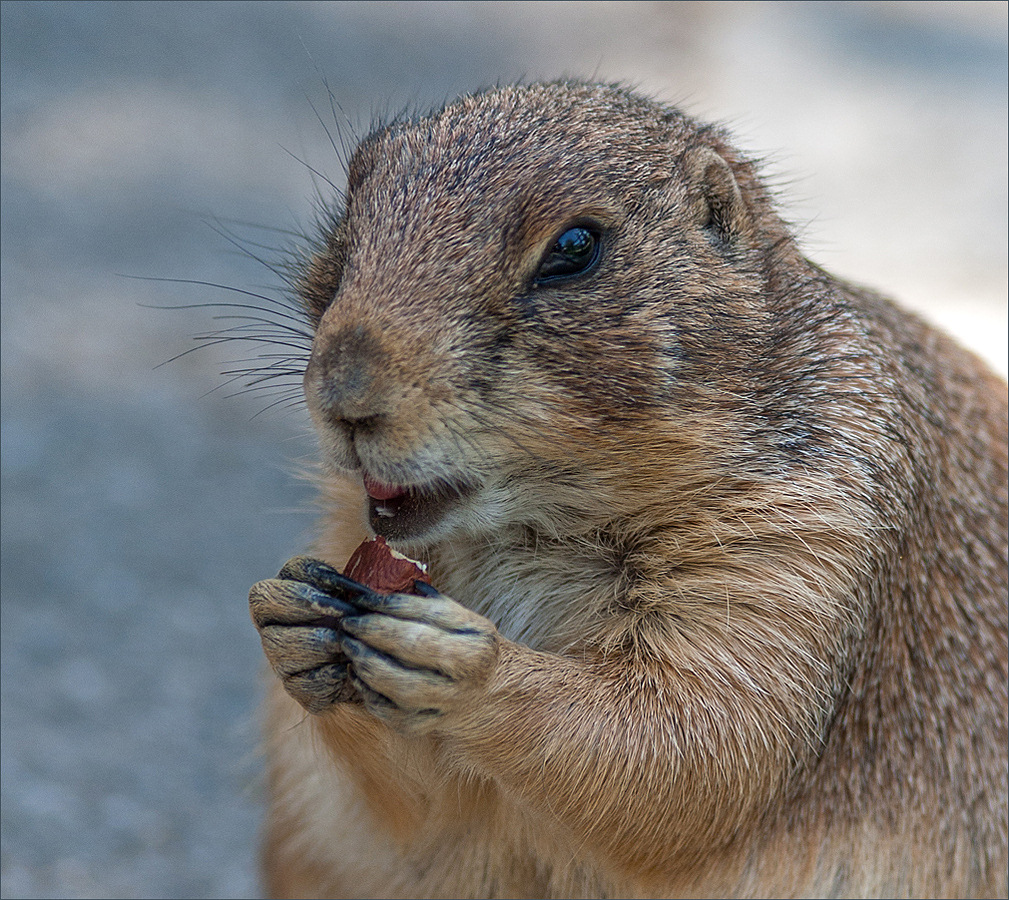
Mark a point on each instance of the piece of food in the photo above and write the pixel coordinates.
(383, 569)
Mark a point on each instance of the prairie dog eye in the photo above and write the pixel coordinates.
(575, 252)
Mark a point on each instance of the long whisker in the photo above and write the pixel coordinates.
(273, 301)
(259, 375)
(212, 340)
(243, 247)
(335, 105)
(336, 189)
(279, 404)
(285, 391)
(251, 321)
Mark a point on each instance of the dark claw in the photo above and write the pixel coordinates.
(324, 577)
(318, 689)
(314, 594)
(359, 652)
(425, 590)
(336, 603)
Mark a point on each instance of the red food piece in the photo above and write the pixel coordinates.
(383, 569)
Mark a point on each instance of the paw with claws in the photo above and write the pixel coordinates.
(411, 659)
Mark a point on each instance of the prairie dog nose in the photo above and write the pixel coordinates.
(346, 378)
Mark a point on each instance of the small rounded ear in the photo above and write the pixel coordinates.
(719, 209)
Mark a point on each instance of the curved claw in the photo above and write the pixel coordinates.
(325, 578)
(278, 601)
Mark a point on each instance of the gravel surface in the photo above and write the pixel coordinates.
(141, 500)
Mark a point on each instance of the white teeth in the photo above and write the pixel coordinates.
(385, 512)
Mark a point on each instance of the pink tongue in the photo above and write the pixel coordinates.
(379, 491)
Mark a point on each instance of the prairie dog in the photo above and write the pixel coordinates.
(719, 540)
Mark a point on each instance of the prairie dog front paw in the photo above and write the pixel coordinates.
(416, 659)
(298, 616)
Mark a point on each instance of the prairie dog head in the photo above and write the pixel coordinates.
(532, 301)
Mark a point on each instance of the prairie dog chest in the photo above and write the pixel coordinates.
(539, 593)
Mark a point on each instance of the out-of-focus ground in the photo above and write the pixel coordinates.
(138, 508)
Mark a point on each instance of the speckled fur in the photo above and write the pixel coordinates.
(741, 528)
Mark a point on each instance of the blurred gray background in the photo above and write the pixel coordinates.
(139, 503)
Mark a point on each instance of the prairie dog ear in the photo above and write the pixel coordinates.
(719, 208)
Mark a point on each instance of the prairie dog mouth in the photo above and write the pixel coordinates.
(399, 512)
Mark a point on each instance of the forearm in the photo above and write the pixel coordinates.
(634, 763)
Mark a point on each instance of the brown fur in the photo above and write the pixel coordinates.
(740, 529)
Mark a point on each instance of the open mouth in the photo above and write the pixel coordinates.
(400, 513)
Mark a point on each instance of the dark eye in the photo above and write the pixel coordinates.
(576, 252)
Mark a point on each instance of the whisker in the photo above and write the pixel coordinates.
(282, 403)
(282, 331)
(335, 105)
(255, 321)
(213, 339)
(276, 356)
(262, 385)
(283, 308)
(286, 391)
(491, 426)
(244, 223)
(314, 171)
(257, 377)
(273, 369)
(274, 306)
(210, 340)
(263, 373)
(243, 247)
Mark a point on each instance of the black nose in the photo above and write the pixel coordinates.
(344, 379)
